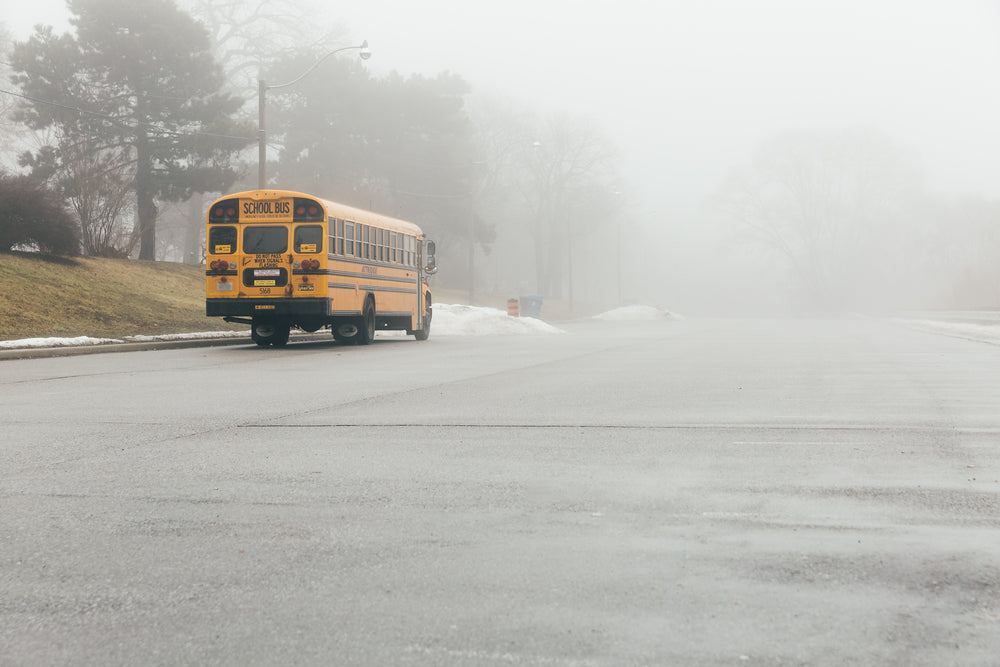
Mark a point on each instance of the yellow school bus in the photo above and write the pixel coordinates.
(277, 259)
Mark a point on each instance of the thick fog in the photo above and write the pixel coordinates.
(728, 117)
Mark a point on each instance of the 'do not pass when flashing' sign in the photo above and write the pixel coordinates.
(275, 210)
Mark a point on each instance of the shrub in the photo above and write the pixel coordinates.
(33, 216)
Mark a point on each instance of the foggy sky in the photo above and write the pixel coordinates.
(688, 89)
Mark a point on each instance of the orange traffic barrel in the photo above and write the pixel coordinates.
(512, 308)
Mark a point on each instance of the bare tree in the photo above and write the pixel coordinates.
(544, 184)
(963, 244)
(568, 159)
(247, 38)
(97, 185)
(831, 205)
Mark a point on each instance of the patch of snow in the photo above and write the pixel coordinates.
(55, 342)
(459, 320)
(637, 313)
(186, 336)
(449, 320)
(986, 333)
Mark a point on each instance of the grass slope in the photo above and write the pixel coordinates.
(43, 296)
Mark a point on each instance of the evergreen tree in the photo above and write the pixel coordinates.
(399, 145)
(137, 80)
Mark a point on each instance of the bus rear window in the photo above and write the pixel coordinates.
(222, 240)
(308, 238)
(265, 240)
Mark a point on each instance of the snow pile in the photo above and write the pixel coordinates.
(78, 341)
(637, 313)
(55, 342)
(458, 320)
(187, 336)
(449, 320)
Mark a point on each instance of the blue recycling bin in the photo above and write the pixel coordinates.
(531, 306)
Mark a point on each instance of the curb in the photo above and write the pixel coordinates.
(75, 350)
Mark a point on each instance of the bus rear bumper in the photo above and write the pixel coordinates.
(269, 308)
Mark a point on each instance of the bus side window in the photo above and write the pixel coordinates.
(349, 238)
(340, 237)
(335, 237)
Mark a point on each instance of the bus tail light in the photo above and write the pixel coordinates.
(307, 210)
(310, 264)
(225, 211)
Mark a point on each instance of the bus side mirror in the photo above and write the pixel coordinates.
(431, 260)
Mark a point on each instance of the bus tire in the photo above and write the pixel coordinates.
(425, 329)
(344, 333)
(269, 332)
(366, 327)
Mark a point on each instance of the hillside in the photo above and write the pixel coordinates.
(43, 296)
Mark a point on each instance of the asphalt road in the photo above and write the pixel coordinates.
(681, 493)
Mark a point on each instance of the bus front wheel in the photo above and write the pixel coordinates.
(266, 333)
(424, 332)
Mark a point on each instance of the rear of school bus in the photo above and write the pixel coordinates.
(269, 264)
(265, 261)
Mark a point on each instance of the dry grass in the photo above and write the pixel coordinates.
(42, 296)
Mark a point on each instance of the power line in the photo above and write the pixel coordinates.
(116, 120)
(28, 70)
(425, 195)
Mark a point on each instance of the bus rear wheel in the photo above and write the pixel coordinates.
(366, 330)
(267, 332)
(360, 331)
(344, 333)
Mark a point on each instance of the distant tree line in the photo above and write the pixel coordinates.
(845, 217)
(145, 111)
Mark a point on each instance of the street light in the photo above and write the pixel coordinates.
(262, 89)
